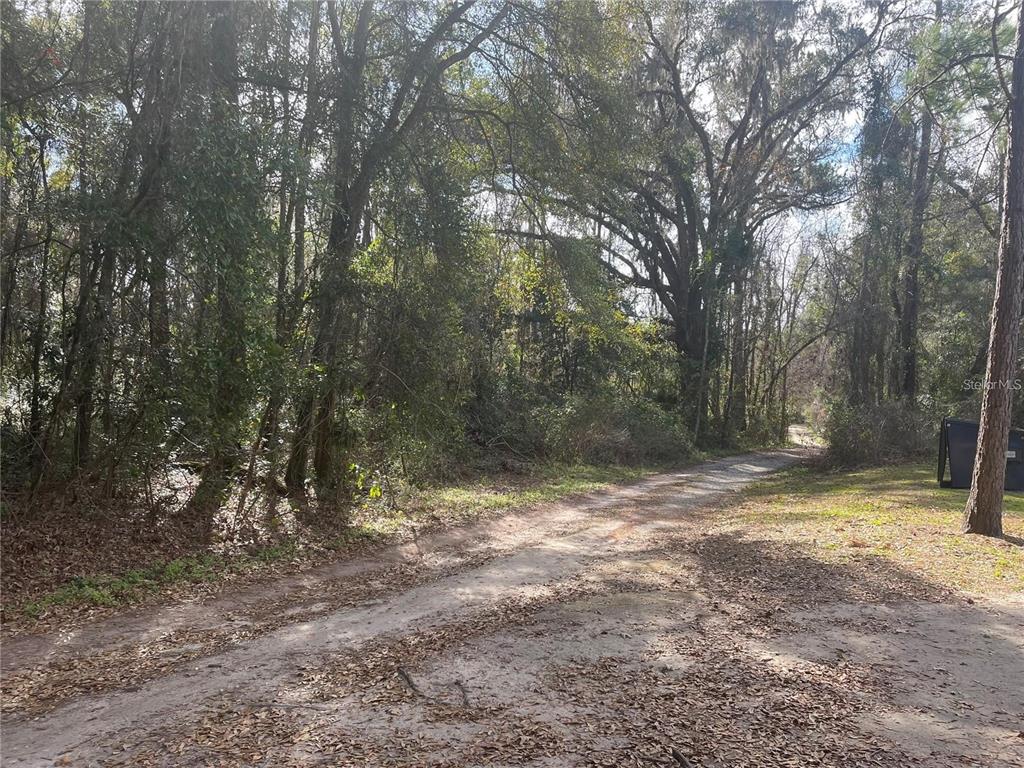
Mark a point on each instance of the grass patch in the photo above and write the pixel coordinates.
(133, 585)
(105, 589)
(896, 512)
(546, 483)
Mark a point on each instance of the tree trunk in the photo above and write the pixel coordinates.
(858, 356)
(984, 511)
(736, 400)
(163, 89)
(93, 335)
(9, 281)
(227, 400)
(348, 202)
(701, 406)
(35, 422)
(295, 471)
(267, 434)
(92, 332)
(915, 247)
(907, 381)
(352, 183)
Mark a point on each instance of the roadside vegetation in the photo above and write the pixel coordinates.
(109, 577)
(895, 513)
(265, 263)
(288, 285)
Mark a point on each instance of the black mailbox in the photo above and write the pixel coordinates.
(958, 440)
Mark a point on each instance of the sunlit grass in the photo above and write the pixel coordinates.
(546, 483)
(899, 513)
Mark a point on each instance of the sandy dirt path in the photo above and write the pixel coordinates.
(624, 628)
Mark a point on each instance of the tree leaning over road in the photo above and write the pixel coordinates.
(984, 511)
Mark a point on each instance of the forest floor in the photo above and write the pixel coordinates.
(720, 615)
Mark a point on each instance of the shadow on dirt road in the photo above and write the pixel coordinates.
(606, 630)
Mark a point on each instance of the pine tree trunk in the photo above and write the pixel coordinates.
(907, 382)
(984, 511)
(915, 249)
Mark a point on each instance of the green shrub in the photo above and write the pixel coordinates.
(605, 429)
(876, 434)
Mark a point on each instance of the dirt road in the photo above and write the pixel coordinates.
(608, 630)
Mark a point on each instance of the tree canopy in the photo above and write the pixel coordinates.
(258, 249)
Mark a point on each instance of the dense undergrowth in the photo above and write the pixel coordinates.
(882, 433)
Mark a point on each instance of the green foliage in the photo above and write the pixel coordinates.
(130, 586)
(604, 429)
(241, 266)
(877, 434)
